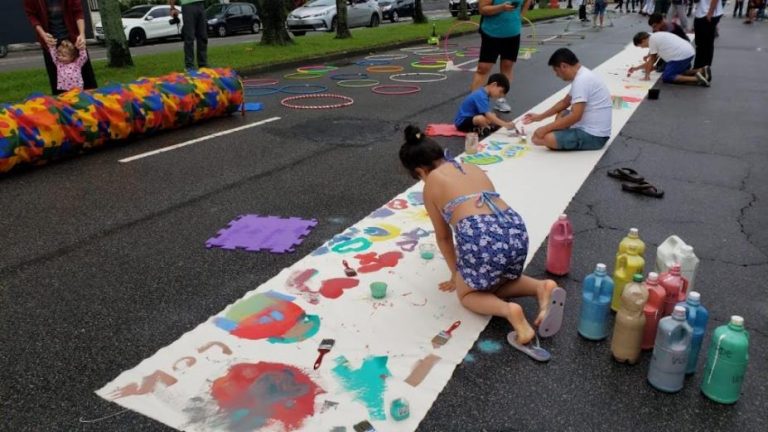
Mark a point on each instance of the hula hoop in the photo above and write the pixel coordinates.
(437, 77)
(452, 27)
(387, 57)
(430, 65)
(302, 75)
(372, 62)
(533, 27)
(384, 69)
(438, 52)
(289, 89)
(259, 82)
(346, 101)
(416, 48)
(385, 89)
(349, 76)
(357, 83)
(425, 51)
(260, 91)
(432, 59)
(317, 69)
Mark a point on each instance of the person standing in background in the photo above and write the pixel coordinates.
(738, 6)
(706, 17)
(677, 9)
(55, 21)
(195, 29)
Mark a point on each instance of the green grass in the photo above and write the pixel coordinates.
(17, 85)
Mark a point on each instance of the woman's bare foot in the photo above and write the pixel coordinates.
(523, 330)
(544, 295)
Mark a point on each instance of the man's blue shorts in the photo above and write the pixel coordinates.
(675, 68)
(577, 139)
(600, 7)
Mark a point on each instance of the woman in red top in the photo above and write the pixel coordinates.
(55, 20)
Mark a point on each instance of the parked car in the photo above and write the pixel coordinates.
(394, 9)
(473, 7)
(320, 15)
(226, 19)
(3, 50)
(145, 22)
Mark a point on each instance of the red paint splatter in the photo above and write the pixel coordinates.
(298, 281)
(334, 288)
(398, 204)
(264, 324)
(255, 395)
(631, 99)
(371, 262)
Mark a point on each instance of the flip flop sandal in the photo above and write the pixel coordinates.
(626, 174)
(644, 188)
(531, 349)
(552, 321)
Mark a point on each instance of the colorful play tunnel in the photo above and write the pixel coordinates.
(45, 128)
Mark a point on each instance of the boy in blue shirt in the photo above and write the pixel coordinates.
(475, 113)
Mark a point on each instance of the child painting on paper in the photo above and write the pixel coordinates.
(483, 240)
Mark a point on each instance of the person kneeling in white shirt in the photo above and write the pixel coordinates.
(678, 54)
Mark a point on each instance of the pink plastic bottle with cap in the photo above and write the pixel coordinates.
(652, 310)
(560, 246)
(675, 286)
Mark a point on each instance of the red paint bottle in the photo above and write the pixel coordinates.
(675, 287)
(560, 246)
(652, 310)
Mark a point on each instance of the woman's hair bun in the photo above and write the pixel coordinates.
(413, 134)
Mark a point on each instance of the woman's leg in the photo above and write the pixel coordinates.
(50, 67)
(89, 78)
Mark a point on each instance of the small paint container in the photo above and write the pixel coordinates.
(523, 139)
(653, 94)
(399, 409)
(378, 290)
(427, 250)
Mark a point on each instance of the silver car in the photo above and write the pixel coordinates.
(320, 15)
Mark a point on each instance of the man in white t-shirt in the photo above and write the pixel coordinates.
(587, 124)
(676, 52)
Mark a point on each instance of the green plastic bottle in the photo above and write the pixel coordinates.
(726, 362)
(628, 264)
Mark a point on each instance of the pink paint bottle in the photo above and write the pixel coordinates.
(560, 246)
(652, 310)
(675, 287)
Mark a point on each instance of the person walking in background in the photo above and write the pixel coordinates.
(194, 30)
(500, 28)
(738, 6)
(55, 21)
(755, 9)
(677, 9)
(706, 17)
(600, 6)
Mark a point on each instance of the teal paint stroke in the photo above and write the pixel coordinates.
(488, 346)
(303, 330)
(367, 383)
(469, 358)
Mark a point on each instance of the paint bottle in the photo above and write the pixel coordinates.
(697, 317)
(630, 321)
(560, 246)
(399, 410)
(670, 352)
(675, 286)
(471, 141)
(596, 304)
(633, 237)
(628, 264)
(652, 310)
(726, 362)
(675, 250)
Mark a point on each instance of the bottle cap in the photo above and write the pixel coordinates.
(694, 297)
(737, 321)
(633, 232)
(563, 216)
(679, 313)
(652, 277)
(638, 277)
(600, 268)
(674, 268)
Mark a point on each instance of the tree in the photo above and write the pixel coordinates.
(342, 29)
(463, 15)
(118, 53)
(273, 17)
(418, 14)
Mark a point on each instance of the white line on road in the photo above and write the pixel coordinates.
(196, 140)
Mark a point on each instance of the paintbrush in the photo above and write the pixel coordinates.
(323, 349)
(441, 338)
(349, 271)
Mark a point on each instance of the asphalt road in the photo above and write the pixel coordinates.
(31, 58)
(104, 263)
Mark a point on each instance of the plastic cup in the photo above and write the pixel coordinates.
(378, 290)
(427, 251)
(653, 94)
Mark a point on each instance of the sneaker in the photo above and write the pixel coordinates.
(702, 81)
(502, 105)
(708, 73)
(483, 133)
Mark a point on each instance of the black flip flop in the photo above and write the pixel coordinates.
(643, 188)
(626, 174)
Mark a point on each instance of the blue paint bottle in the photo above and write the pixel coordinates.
(399, 410)
(596, 295)
(697, 316)
(670, 352)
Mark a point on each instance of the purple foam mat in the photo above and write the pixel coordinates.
(255, 233)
